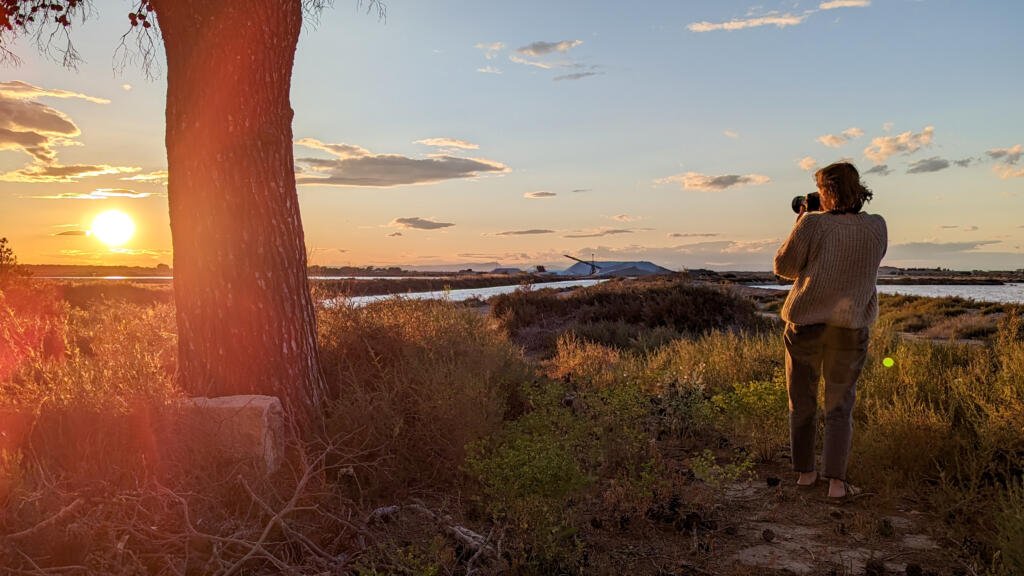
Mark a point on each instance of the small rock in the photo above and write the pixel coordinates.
(773, 481)
(768, 535)
(914, 570)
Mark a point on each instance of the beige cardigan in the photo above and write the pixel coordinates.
(833, 261)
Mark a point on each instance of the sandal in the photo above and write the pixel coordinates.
(852, 493)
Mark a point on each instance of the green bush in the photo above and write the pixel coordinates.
(756, 413)
(1010, 528)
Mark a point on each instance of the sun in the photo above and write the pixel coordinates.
(112, 227)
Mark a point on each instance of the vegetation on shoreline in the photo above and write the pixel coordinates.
(633, 424)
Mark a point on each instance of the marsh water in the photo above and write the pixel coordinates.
(1006, 293)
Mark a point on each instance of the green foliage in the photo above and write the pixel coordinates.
(1010, 528)
(756, 413)
(707, 469)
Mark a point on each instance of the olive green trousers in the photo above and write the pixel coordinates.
(837, 353)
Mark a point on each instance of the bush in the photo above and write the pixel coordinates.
(757, 414)
(1010, 528)
(417, 381)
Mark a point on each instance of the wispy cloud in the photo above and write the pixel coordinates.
(417, 223)
(731, 134)
(491, 50)
(779, 21)
(489, 70)
(73, 233)
(59, 173)
(537, 194)
(883, 147)
(541, 48)
(158, 176)
(807, 163)
(535, 63)
(880, 169)
(833, 4)
(448, 143)
(705, 182)
(356, 166)
(530, 232)
(599, 233)
(576, 76)
(837, 140)
(97, 194)
(17, 89)
(933, 164)
(1007, 159)
(625, 218)
(693, 234)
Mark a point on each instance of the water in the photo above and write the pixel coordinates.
(1007, 293)
(466, 293)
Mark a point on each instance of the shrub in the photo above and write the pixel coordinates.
(1010, 528)
(416, 382)
(756, 413)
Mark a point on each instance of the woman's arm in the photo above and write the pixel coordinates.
(791, 258)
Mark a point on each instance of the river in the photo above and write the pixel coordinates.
(467, 293)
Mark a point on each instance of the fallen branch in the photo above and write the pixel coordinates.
(64, 512)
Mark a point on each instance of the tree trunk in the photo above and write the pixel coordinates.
(246, 323)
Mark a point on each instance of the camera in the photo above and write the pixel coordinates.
(810, 203)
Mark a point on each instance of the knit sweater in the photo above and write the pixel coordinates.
(833, 261)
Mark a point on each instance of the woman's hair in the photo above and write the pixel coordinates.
(841, 182)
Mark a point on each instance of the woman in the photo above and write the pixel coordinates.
(832, 256)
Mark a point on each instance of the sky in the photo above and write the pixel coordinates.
(479, 133)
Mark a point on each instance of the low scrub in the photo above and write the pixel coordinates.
(417, 381)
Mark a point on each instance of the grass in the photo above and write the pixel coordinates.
(648, 401)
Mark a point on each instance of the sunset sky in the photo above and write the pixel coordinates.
(479, 133)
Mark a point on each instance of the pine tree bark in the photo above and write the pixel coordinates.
(246, 323)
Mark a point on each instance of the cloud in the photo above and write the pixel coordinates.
(625, 218)
(779, 21)
(394, 234)
(934, 250)
(693, 235)
(539, 194)
(1007, 172)
(933, 164)
(16, 89)
(529, 232)
(72, 233)
(489, 70)
(126, 87)
(576, 76)
(883, 147)
(448, 143)
(730, 134)
(837, 140)
(97, 194)
(970, 228)
(37, 130)
(1006, 155)
(580, 190)
(599, 233)
(158, 176)
(491, 50)
(417, 223)
(534, 63)
(807, 163)
(965, 162)
(833, 4)
(356, 166)
(881, 170)
(698, 181)
(59, 173)
(544, 48)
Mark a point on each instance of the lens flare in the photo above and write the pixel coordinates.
(888, 362)
(112, 227)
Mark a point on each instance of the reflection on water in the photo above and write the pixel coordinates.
(1007, 293)
(463, 294)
